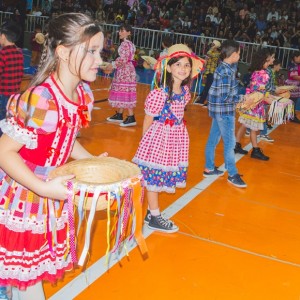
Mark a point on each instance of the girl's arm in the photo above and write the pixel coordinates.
(147, 123)
(12, 163)
(79, 152)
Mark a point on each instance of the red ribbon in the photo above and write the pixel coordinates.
(51, 151)
(84, 115)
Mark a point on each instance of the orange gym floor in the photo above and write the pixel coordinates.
(233, 244)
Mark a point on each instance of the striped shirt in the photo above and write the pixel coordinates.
(11, 70)
(223, 93)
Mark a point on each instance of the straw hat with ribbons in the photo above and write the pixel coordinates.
(178, 50)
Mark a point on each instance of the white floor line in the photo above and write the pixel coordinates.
(243, 250)
(91, 274)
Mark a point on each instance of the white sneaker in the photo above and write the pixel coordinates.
(266, 138)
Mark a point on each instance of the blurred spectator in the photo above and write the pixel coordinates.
(273, 14)
(261, 23)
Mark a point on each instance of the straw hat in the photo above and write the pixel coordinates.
(178, 50)
(40, 38)
(108, 172)
(216, 43)
(149, 59)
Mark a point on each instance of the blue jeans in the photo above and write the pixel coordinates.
(222, 126)
(3, 104)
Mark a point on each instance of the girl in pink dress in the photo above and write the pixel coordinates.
(40, 135)
(163, 151)
(294, 79)
(122, 94)
(254, 118)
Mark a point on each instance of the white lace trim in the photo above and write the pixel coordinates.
(21, 135)
(159, 189)
(18, 224)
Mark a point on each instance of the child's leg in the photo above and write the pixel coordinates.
(253, 138)
(35, 292)
(240, 133)
(153, 203)
(130, 112)
(212, 142)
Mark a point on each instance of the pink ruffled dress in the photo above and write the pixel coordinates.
(122, 93)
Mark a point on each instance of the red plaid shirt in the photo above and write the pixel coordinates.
(11, 70)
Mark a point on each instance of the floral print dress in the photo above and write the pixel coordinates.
(122, 93)
(254, 118)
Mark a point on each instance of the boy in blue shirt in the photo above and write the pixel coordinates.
(222, 99)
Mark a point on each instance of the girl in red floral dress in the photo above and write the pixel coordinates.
(163, 151)
(40, 135)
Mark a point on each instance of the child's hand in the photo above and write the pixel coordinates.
(56, 188)
(262, 87)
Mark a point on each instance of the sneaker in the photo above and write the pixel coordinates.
(116, 118)
(238, 149)
(237, 181)
(258, 154)
(214, 172)
(147, 217)
(158, 223)
(247, 133)
(265, 137)
(129, 121)
(269, 126)
(295, 120)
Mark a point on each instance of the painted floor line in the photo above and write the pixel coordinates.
(86, 278)
(243, 250)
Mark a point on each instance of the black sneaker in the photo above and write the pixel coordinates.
(129, 121)
(238, 149)
(158, 223)
(147, 217)
(295, 120)
(237, 181)
(214, 172)
(116, 118)
(258, 154)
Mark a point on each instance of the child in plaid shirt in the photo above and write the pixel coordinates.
(11, 64)
(222, 99)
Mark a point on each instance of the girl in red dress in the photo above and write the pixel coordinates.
(40, 135)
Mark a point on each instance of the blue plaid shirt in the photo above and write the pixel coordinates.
(223, 93)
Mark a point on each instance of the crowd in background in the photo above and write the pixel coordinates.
(272, 22)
